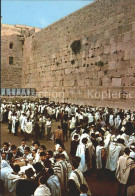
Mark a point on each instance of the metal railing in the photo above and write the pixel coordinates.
(17, 91)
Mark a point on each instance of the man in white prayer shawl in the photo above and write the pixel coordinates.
(9, 114)
(5, 169)
(112, 156)
(111, 121)
(53, 183)
(42, 189)
(14, 120)
(28, 128)
(76, 179)
(100, 158)
(61, 170)
(80, 152)
(11, 181)
(23, 122)
(90, 118)
(97, 115)
(124, 166)
(117, 122)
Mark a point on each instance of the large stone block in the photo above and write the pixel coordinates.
(132, 81)
(106, 81)
(116, 81)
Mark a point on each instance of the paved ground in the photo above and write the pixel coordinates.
(104, 187)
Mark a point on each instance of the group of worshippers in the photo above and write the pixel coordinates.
(35, 117)
(34, 170)
(101, 139)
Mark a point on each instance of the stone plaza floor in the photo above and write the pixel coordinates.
(106, 186)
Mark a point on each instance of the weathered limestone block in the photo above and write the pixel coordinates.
(68, 82)
(131, 71)
(125, 81)
(127, 37)
(132, 81)
(106, 81)
(132, 54)
(116, 81)
(112, 65)
(96, 82)
(68, 71)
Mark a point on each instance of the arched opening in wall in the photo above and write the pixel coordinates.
(11, 45)
(11, 60)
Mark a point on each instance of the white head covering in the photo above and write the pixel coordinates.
(74, 135)
(112, 137)
(5, 169)
(132, 155)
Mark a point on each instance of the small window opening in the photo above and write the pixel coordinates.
(11, 45)
(11, 60)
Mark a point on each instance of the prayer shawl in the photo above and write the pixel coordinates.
(23, 123)
(11, 182)
(66, 155)
(124, 166)
(111, 120)
(20, 119)
(69, 168)
(23, 168)
(77, 177)
(13, 124)
(73, 135)
(89, 154)
(42, 190)
(84, 135)
(28, 128)
(117, 122)
(98, 156)
(9, 115)
(5, 169)
(61, 170)
(72, 123)
(97, 116)
(57, 112)
(21, 148)
(131, 141)
(54, 185)
(126, 138)
(81, 153)
(90, 118)
(107, 140)
(112, 156)
(28, 157)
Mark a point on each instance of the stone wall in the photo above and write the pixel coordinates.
(11, 74)
(102, 74)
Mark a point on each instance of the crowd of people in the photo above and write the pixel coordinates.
(101, 139)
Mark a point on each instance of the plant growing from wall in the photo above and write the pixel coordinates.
(57, 63)
(73, 62)
(92, 56)
(100, 63)
(105, 72)
(76, 46)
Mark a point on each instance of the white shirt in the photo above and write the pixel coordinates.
(48, 123)
(42, 190)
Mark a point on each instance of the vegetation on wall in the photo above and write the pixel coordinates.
(76, 46)
(100, 63)
(92, 56)
(73, 62)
